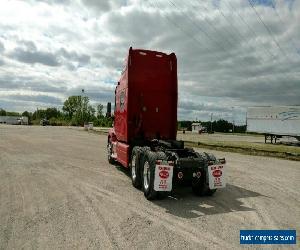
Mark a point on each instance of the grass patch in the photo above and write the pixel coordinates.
(279, 151)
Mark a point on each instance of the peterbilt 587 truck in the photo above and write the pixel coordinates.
(143, 137)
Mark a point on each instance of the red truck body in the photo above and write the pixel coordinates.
(146, 97)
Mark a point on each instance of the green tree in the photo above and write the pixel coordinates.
(29, 115)
(39, 114)
(2, 112)
(99, 110)
(78, 110)
(72, 105)
(8, 113)
(52, 113)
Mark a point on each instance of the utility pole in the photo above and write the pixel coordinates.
(211, 122)
(232, 120)
(82, 94)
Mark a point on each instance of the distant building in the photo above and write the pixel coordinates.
(196, 127)
(14, 120)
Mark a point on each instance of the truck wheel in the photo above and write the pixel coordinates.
(148, 171)
(135, 167)
(109, 152)
(200, 187)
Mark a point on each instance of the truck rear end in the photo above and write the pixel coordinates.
(146, 97)
(145, 128)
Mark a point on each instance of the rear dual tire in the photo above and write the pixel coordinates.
(142, 165)
(110, 159)
(148, 171)
(200, 186)
(135, 167)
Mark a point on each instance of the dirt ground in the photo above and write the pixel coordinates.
(57, 191)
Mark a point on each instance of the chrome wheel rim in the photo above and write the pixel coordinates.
(146, 175)
(133, 170)
(109, 151)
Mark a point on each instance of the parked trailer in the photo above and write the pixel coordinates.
(274, 122)
(145, 126)
(14, 120)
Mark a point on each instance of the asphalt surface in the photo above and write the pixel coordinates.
(57, 191)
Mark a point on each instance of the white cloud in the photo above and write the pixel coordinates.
(226, 57)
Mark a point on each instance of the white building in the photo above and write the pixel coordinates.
(197, 128)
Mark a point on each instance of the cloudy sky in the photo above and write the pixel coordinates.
(231, 53)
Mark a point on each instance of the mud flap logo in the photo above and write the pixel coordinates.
(163, 178)
(163, 174)
(217, 173)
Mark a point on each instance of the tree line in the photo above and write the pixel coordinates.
(76, 111)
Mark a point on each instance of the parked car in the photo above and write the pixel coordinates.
(44, 122)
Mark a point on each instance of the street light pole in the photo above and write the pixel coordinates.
(82, 94)
(232, 120)
(211, 122)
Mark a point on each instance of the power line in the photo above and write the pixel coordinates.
(199, 28)
(154, 5)
(213, 26)
(215, 29)
(238, 32)
(230, 24)
(268, 29)
(174, 23)
(193, 37)
(280, 19)
(195, 24)
(249, 27)
(254, 33)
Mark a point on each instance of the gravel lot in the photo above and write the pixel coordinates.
(57, 191)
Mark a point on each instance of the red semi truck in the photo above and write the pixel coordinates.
(143, 137)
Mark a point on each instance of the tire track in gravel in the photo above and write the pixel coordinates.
(173, 224)
(87, 203)
(64, 180)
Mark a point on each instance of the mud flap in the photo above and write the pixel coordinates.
(163, 177)
(217, 176)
